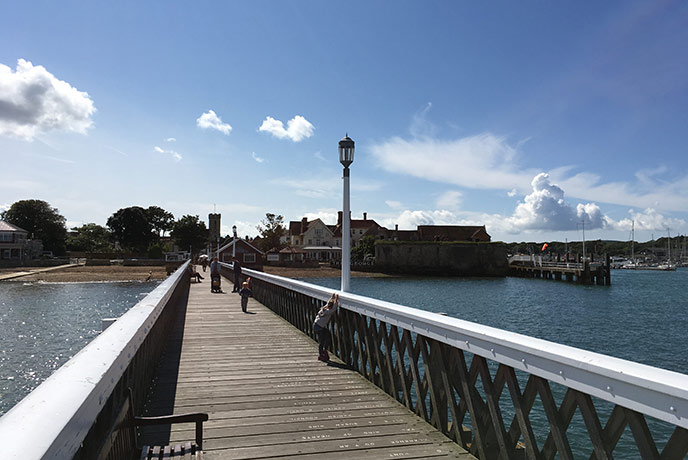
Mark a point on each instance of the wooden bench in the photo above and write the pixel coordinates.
(121, 442)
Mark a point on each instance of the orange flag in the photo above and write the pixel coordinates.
(544, 246)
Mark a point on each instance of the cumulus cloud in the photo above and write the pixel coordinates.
(298, 128)
(33, 101)
(210, 120)
(545, 209)
(257, 158)
(175, 155)
(649, 219)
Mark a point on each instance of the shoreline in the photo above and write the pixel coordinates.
(119, 273)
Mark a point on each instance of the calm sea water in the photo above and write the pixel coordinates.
(42, 325)
(642, 317)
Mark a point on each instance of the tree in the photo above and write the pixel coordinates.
(190, 232)
(42, 221)
(271, 230)
(90, 238)
(131, 228)
(161, 220)
(364, 248)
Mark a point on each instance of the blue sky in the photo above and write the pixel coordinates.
(527, 117)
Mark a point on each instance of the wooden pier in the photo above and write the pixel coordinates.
(267, 395)
(581, 273)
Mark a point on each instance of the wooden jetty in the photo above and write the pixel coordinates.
(267, 396)
(582, 273)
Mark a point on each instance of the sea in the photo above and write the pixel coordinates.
(42, 325)
(642, 316)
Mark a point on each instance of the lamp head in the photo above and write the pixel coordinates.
(346, 151)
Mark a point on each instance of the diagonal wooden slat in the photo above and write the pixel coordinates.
(522, 406)
(401, 368)
(641, 434)
(677, 446)
(614, 428)
(478, 434)
(557, 422)
(435, 401)
(421, 409)
(455, 429)
(492, 400)
(592, 423)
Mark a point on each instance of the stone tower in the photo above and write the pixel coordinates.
(214, 230)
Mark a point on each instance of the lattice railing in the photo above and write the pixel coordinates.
(498, 394)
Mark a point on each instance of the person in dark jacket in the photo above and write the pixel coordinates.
(237, 274)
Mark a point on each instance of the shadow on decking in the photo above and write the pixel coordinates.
(164, 385)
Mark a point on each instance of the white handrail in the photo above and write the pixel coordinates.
(656, 392)
(52, 421)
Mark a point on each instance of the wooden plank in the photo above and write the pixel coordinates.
(268, 396)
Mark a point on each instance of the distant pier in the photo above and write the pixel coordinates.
(575, 272)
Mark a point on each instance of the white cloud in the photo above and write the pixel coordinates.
(649, 219)
(420, 125)
(33, 101)
(319, 156)
(512, 193)
(5, 207)
(257, 158)
(393, 204)
(210, 120)
(171, 139)
(298, 128)
(409, 220)
(175, 155)
(328, 217)
(484, 161)
(450, 199)
(545, 209)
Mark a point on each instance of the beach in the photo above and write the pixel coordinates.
(80, 273)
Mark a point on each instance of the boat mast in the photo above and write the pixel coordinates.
(668, 247)
(633, 242)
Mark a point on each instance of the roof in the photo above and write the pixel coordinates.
(229, 245)
(7, 227)
(322, 248)
(453, 233)
(291, 250)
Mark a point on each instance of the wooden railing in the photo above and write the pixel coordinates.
(69, 415)
(499, 394)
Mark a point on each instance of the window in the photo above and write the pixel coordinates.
(317, 242)
(310, 242)
(250, 258)
(318, 232)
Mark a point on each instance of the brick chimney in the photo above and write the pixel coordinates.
(396, 227)
(365, 216)
(339, 218)
(304, 224)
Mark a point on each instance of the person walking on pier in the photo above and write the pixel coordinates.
(320, 326)
(245, 293)
(215, 276)
(237, 274)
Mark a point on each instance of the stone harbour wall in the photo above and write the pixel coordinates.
(441, 258)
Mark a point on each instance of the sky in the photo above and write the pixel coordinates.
(542, 121)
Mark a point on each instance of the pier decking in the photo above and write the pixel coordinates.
(267, 395)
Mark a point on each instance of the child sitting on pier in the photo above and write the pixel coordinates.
(245, 292)
(320, 326)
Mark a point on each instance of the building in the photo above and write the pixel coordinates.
(13, 242)
(214, 231)
(315, 238)
(248, 255)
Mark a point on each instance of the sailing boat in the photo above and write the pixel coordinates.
(668, 266)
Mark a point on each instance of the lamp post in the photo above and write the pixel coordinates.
(346, 157)
(234, 241)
